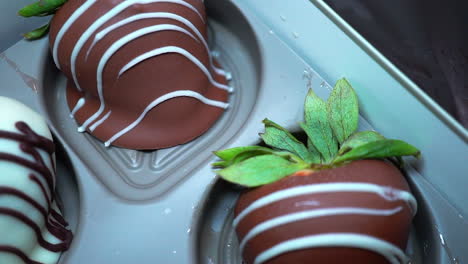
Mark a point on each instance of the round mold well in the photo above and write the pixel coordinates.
(67, 191)
(216, 240)
(145, 175)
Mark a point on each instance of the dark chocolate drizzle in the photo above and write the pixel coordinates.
(55, 223)
(41, 186)
(23, 218)
(18, 253)
(35, 166)
(21, 195)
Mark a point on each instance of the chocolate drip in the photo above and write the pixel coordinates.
(55, 224)
(58, 217)
(59, 232)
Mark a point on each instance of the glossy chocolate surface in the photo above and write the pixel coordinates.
(393, 227)
(133, 107)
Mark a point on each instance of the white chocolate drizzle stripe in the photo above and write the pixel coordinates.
(178, 18)
(219, 70)
(159, 100)
(174, 49)
(385, 192)
(100, 121)
(106, 17)
(226, 74)
(392, 253)
(315, 213)
(114, 48)
(78, 12)
(80, 103)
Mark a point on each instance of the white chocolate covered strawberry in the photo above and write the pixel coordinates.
(32, 229)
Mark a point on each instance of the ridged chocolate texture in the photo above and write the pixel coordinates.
(358, 213)
(140, 74)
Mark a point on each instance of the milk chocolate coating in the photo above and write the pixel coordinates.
(126, 96)
(392, 228)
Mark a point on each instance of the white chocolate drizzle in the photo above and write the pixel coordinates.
(310, 214)
(142, 16)
(178, 50)
(159, 100)
(392, 253)
(96, 32)
(385, 192)
(100, 121)
(106, 17)
(111, 51)
(78, 12)
(79, 104)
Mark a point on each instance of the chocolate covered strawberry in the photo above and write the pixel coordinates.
(336, 199)
(131, 64)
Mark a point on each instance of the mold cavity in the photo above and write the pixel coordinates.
(216, 239)
(144, 175)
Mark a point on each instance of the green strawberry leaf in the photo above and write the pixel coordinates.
(328, 125)
(260, 170)
(358, 139)
(41, 8)
(317, 127)
(37, 33)
(343, 110)
(228, 154)
(220, 164)
(278, 137)
(236, 155)
(247, 155)
(316, 157)
(384, 148)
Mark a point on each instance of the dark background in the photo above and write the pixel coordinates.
(426, 39)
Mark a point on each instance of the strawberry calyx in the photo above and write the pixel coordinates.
(40, 8)
(332, 141)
